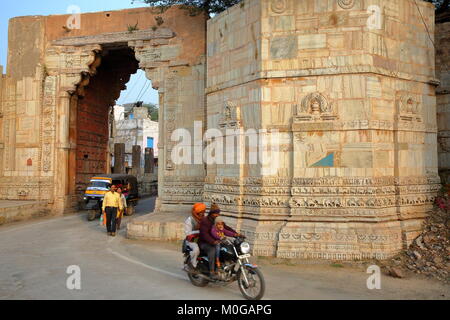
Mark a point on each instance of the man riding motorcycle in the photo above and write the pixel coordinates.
(191, 228)
(206, 241)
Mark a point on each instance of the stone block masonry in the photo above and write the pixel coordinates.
(443, 99)
(356, 112)
(350, 94)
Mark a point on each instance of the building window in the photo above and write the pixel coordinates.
(150, 142)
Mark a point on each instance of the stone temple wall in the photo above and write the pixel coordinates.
(25, 173)
(52, 83)
(355, 108)
(443, 98)
(2, 144)
(348, 100)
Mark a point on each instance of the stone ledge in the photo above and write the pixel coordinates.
(161, 226)
(14, 211)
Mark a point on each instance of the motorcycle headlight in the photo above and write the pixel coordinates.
(245, 247)
(85, 199)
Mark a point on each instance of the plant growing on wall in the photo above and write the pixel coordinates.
(153, 111)
(217, 6)
(193, 6)
(131, 29)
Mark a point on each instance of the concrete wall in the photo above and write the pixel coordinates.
(135, 132)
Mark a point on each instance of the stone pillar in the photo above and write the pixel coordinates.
(119, 158)
(137, 160)
(62, 153)
(356, 171)
(149, 160)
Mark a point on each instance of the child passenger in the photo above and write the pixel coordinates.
(219, 232)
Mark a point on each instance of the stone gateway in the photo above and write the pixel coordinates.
(353, 103)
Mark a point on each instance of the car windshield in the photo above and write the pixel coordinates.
(99, 184)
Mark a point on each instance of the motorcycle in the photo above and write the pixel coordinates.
(234, 257)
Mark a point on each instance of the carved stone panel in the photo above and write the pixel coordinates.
(315, 107)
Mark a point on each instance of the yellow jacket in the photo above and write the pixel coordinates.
(112, 200)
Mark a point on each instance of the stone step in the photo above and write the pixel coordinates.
(161, 226)
(15, 211)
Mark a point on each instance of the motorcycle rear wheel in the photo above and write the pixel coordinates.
(197, 280)
(254, 276)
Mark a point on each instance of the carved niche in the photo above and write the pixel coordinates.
(408, 108)
(231, 116)
(346, 4)
(278, 6)
(315, 107)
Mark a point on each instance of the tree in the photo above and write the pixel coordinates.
(194, 6)
(153, 111)
(441, 5)
(442, 10)
(217, 6)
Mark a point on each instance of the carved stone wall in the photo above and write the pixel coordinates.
(443, 98)
(355, 110)
(56, 111)
(351, 109)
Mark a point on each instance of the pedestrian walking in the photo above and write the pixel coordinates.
(124, 207)
(112, 203)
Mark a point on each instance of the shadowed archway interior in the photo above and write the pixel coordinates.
(95, 103)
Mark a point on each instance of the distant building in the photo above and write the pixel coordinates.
(134, 126)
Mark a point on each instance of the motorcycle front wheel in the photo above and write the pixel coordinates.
(256, 283)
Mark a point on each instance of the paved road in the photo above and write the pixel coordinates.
(34, 257)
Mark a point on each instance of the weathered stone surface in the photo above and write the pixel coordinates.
(358, 142)
(137, 152)
(117, 37)
(161, 226)
(119, 158)
(283, 47)
(443, 99)
(355, 109)
(55, 130)
(14, 211)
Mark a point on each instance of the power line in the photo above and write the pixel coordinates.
(134, 86)
(143, 87)
(443, 63)
(423, 21)
(142, 95)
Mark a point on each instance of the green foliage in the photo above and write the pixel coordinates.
(441, 5)
(196, 7)
(193, 6)
(131, 29)
(153, 111)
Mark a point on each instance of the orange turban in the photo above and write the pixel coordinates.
(197, 209)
